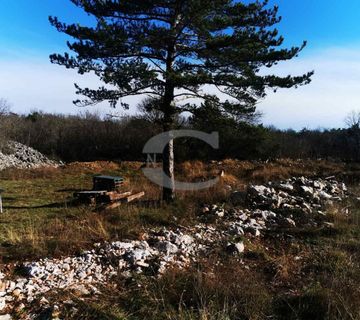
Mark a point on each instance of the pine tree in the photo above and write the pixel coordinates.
(173, 50)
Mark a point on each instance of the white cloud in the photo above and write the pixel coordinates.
(333, 93)
(43, 86)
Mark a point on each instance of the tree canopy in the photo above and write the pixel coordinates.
(180, 53)
(173, 50)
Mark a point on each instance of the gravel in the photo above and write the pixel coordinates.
(20, 156)
(269, 207)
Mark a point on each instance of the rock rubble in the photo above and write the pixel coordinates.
(288, 204)
(98, 265)
(19, 156)
(296, 193)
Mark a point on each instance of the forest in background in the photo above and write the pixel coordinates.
(90, 136)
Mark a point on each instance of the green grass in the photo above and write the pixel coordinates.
(40, 218)
(299, 273)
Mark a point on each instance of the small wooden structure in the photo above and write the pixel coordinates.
(107, 193)
(108, 183)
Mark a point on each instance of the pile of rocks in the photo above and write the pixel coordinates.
(296, 193)
(97, 266)
(286, 204)
(270, 206)
(20, 156)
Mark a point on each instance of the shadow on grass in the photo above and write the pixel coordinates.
(9, 198)
(69, 190)
(70, 203)
(148, 203)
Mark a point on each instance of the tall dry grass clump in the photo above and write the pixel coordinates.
(193, 169)
(211, 293)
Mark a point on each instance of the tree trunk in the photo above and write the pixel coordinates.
(168, 191)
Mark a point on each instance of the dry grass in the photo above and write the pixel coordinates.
(39, 218)
(210, 293)
(193, 169)
(292, 274)
(215, 292)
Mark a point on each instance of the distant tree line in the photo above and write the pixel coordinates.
(87, 137)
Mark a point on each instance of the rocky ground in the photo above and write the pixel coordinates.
(262, 208)
(20, 156)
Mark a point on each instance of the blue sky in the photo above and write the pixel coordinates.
(331, 27)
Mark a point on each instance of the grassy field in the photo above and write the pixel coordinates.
(40, 218)
(297, 274)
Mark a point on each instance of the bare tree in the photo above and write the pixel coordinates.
(353, 119)
(149, 109)
(4, 107)
(4, 123)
